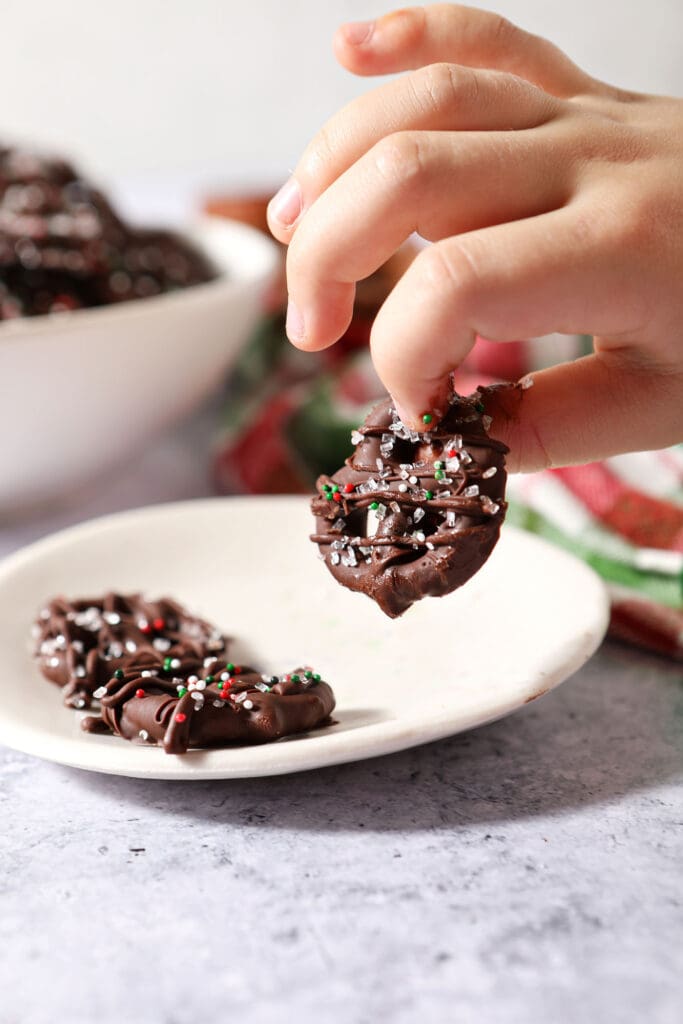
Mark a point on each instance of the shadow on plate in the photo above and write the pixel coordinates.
(611, 730)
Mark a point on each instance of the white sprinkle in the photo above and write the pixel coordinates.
(349, 559)
(201, 684)
(488, 473)
(175, 663)
(335, 558)
(465, 457)
(413, 480)
(113, 618)
(489, 506)
(418, 514)
(248, 704)
(356, 437)
(453, 464)
(394, 505)
(77, 646)
(526, 383)
(45, 613)
(80, 703)
(160, 643)
(239, 698)
(197, 697)
(403, 488)
(419, 536)
(192, 679)
(263, 687)
(145, 674)
(80, 671)
(224, 676)
(100, 692)
(143, 624)
(429, 545)
(208, 661)
(53, 662)
(456, 442)
(218, 704)
(60, 641)
(143, 734)
(380, 465)
(450, 518)
(472, 491)
(131, 646)
(381, 511)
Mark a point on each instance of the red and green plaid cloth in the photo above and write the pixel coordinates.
(289, 417)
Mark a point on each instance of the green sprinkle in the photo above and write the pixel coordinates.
(295, 678)
(209, 679)
(439, 474)
(374, 505)
(427, 418)
(230, 667)
(167, 664)
(316, 677)
(479, 406)
(428, 495)
(335, 489)
(308, 675)
(118, 674)
(438, 464)
(182, 690)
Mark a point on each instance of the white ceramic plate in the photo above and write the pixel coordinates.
(528, 620)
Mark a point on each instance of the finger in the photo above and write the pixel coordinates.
(439, 97)
(587, 410)
(435, 183)
(416, 36)
(560, 272)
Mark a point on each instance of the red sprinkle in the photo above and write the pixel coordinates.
(144, 627)
(451, 453)
(159, 624)
(348, 488)
(139, 693)
(180, 717)
(337, 496)
(237, 669)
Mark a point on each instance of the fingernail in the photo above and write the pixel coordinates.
(285, 206)
(358, 32)
(402, 415)
(294, 324)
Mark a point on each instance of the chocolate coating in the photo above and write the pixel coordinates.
(439, 505)
(79, 644)
(205, 705)
(62, 245)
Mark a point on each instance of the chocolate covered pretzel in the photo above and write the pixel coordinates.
(209, 704)
(80, 644)
(413, 513)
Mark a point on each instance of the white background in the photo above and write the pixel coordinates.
(220, 91)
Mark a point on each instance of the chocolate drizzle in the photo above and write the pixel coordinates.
(413, 513)
(208, 704)
(80, 644)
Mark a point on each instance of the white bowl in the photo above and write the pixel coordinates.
(82, 391)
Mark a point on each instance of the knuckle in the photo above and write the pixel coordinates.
(502, 32)
(399, 159)
(450, 270)
(439, 86)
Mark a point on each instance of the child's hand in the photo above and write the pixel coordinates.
(555, 204)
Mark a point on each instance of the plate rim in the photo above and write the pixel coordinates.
(316, 751)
